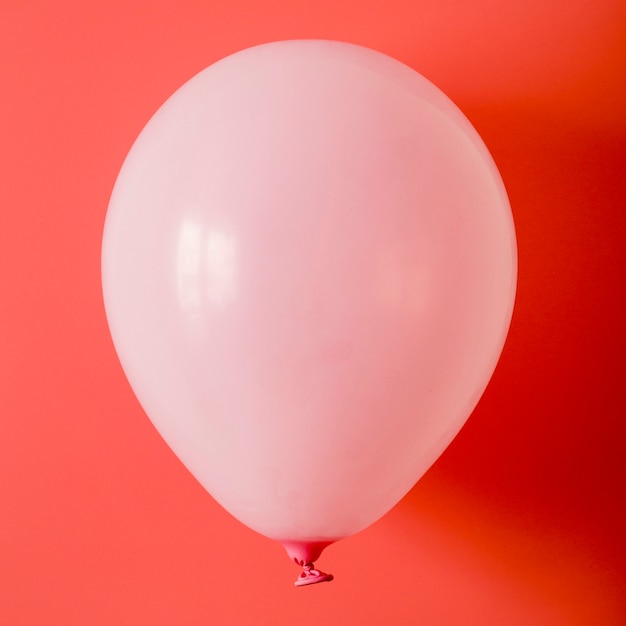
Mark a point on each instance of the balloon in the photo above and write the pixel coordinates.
(309, 267)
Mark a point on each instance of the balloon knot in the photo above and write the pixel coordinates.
(311, 576)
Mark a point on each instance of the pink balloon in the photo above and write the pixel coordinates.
(309, 267)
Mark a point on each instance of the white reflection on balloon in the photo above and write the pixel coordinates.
(188, 267)
(206, 267)
(221, 267)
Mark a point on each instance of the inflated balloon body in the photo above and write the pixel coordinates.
(309, 268)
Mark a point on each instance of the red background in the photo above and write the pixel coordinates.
(520, 521)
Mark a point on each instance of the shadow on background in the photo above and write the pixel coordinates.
(529, 497)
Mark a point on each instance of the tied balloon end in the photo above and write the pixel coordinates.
(304, 553)
(310, 576)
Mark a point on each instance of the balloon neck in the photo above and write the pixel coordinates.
(304, 553)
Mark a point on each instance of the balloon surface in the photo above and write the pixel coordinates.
(309, 268)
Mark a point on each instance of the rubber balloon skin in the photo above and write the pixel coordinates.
(309, 268)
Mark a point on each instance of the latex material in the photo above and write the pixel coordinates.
(309, 268)
(312, 576)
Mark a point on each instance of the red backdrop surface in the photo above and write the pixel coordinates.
(520, 521)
